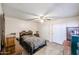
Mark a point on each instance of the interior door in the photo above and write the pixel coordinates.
(59, 33)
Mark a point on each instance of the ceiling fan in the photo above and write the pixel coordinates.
(38, 18)
(41, 19)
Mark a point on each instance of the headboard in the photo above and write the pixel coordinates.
(25, 33)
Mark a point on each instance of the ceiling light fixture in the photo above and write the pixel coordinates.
(41, 21)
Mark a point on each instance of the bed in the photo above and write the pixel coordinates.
(31, 42)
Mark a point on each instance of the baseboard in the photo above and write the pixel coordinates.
(57, 43)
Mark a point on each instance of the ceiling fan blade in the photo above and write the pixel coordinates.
(32, 19)
(48, 19)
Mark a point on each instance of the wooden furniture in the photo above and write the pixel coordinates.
(12, 46)
(67, 47)
(37, 34)
(27, 46)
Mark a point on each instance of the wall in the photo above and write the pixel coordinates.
(44, 29)
(14, 25)
(59, 28)
(55, 30)
(1, 12)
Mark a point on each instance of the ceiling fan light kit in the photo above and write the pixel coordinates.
(41, 21)
(41, 12)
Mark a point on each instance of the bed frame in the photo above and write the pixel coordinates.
(29, 49)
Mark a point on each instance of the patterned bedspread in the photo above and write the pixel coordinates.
(33, 41)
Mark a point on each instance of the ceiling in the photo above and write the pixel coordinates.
(29, 11)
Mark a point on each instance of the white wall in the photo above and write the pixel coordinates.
(14, 25)
(55, 30)
(1, 12)
(59, 28)
(44, 29)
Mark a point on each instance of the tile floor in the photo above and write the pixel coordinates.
(50, 49)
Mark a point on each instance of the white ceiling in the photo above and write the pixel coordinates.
(29, 11)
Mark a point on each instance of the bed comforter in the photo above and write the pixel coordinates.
(34, 41)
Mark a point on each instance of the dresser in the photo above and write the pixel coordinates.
(9, 45)
(12, 46)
